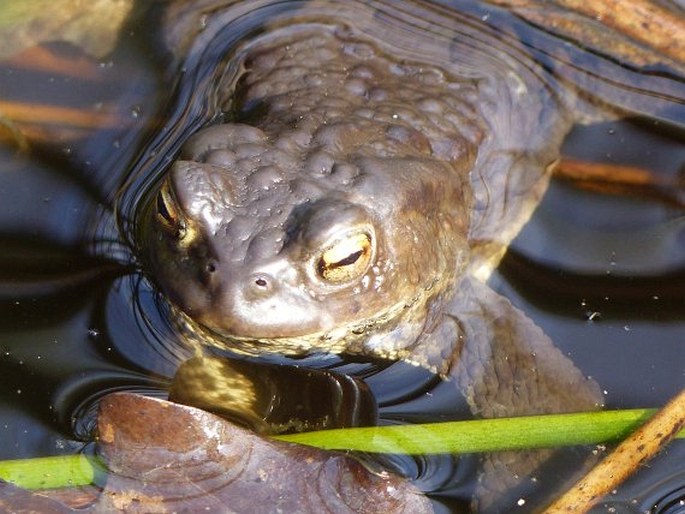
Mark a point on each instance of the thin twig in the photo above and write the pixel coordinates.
(642, 20)
(622, 180)
(628, 456)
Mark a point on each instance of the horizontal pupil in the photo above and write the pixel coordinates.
(350, 259)
(341, 261)
(162, 208)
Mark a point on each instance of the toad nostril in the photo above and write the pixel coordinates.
(258, 287)
(262, 282)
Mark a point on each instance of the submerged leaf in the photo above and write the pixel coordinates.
(165, 457)
(16, 500)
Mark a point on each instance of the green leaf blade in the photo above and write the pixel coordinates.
(482, 435)
(50, 472)
(471, 436)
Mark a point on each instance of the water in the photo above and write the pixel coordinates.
(78, 319)
(603, 277)
(58, 268)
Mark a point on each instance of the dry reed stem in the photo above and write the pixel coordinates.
(627, 457)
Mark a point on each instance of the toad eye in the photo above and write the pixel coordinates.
(347, 259)
(167, 212)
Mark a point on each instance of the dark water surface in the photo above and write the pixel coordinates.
(604, 276)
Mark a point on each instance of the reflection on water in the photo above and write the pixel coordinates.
(251, 393)
(59, 261)
(663, 493)
(615, 267)
(671, 503)
(78, 319)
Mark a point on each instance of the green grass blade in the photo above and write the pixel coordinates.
(472, 436)
(482, 435)
(51, 472)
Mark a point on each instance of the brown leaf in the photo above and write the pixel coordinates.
(168, 457)
(19, 501)
(91, 25)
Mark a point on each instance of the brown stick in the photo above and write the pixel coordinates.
(23, 123)
(642, 20)
(640, 446)
(573, 169)
(623, 180)
(45, 60)
(21, 112)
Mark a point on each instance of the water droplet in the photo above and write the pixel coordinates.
(593, 315)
